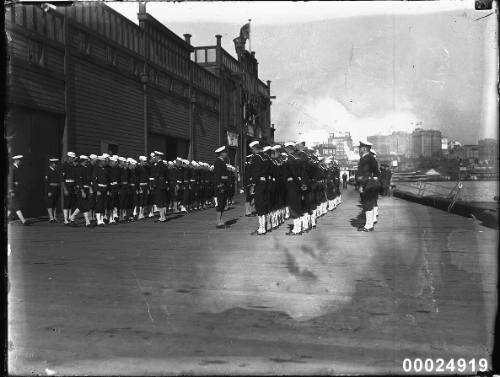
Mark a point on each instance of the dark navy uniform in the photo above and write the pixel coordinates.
(221, 176)
(100, 179)
(52, 187)
(367, 171)
(69, 173)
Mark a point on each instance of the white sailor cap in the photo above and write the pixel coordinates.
(220, 149)
(178, 159)
(83, 157)
(194, 163)
(250, 155)
(372, 151)
(253, 143)
(132, 161)
(114, 158)
(266, 148)
(101, 158)
(53, 159)
(152, 154)
(364, 143)
(170, 163)
(143, 158)
(71, 154)
(93, 156)
(105, 155)
(289, 144)
(18, 157)
(276, 147)
(158, 153)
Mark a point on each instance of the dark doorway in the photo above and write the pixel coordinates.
(37, 136)
(172, 147)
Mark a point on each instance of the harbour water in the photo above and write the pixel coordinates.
(472, 191)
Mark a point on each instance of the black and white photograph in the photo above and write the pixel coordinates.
(251, 188)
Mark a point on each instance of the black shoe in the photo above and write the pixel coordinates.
(363, 229)
(89, 225)
(223, 226)
(67, 224)
(73, 224)
(290, 233)
(27, 223)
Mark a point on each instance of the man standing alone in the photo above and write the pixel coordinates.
(367, 177)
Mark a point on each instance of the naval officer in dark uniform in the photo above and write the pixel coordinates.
(367, 179)
(221, 176)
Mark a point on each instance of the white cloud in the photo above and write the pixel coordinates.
(281, 12)
(328, 115)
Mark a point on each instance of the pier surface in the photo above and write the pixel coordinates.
(185, 297)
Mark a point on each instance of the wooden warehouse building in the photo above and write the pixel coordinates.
(85, 78)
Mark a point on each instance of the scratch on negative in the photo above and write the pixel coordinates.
(144, 298)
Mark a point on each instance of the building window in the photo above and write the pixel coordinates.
(111, 56)
(135, 67)
(153, 75)
(211, 55)
(200, 56)
(36, 53)
(84, 43)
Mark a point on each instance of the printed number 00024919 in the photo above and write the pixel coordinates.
(442, 365)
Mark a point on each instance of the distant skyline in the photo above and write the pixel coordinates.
(366, 67)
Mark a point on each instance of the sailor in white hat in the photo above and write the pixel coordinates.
(15, 190)
(113, 199)
(221, 177)
(84, 191)
(69, 176)
(52, 189)
(368, 184)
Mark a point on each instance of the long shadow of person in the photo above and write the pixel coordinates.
(228, 223)
(358, 221)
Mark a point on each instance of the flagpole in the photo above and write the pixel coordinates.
(250, 34)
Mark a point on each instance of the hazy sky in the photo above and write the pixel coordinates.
(364, 67)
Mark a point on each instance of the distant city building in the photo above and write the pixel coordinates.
(468, 152)
(444, 147)
(395, 144)
(488, 150)
(401, 143)
(342, 142)
(452, 145)
(381, 143)
(325, 150)
(425, 143)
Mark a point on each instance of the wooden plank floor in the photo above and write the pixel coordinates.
(185, 297)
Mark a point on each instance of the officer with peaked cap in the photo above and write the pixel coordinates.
(221, 176)
(15, 189)
(52, 188)
(367, 177)
(69, 185)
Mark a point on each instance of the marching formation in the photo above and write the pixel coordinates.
(111, 189)
(289, 182)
